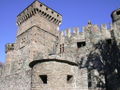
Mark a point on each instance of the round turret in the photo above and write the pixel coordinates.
(54, 74)
(115, 15)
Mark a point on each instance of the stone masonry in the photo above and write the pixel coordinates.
(46, 58)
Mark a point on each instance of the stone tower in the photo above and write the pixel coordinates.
(38, 27)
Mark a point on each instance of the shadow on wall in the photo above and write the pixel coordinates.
(105, 59)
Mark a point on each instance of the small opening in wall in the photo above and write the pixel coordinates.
(109, 41)
(57, 15)
(40, 5)
(89, 84)
(46, 8)
(118, 12)
(80, 44)
(69, 78)
(43, 78)
(37, 9)
(52, 12)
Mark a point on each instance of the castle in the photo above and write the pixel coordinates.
(45, 58)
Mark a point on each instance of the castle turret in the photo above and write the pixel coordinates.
(40, 15)
(116, 16)
(37, 30)
(57, 74)
(9, 52)
(116, 24)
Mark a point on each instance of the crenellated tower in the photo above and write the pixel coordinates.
(38, 14)
(38, 27)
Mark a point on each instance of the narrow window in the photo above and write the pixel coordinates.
(57, 15)
(69, 78)
(46, 8)
(43, 78)
(40, 5)
(60, 49)
(89, 79)
(80, 44)
(118, 12)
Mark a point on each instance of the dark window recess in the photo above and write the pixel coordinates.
(89, 79)
(46, 8)
(61, 48)
(80, 44)
(109, 41)
(69, 78)
(89, 84)
(43, 78)
(118, 12)
(52, 12)
(57, 15)
(40, 5)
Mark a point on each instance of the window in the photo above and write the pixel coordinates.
(118, 12)
(43, 78)
(108, 41)
(89, 84)
(57, 15)
(80, 44)
(69, 78)
(46, 8)
(89, 79)
(40, 5)
(52, 12)
(61, 48)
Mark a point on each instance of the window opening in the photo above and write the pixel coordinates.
(61, 48)
(40, 5)
(69, 78)
(43, 78)
(80, 44)
(109, 41)
(118, 12)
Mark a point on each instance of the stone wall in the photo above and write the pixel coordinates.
(17, 81)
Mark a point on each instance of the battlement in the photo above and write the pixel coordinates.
(103, 31)
(39, 8)
(9, 47)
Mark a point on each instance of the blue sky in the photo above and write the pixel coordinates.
(76, 13)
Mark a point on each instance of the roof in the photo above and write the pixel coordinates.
(51, 60)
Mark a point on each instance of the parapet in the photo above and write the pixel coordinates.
(40, 8)
(70, 32)
(9, 47)
(103, 31)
